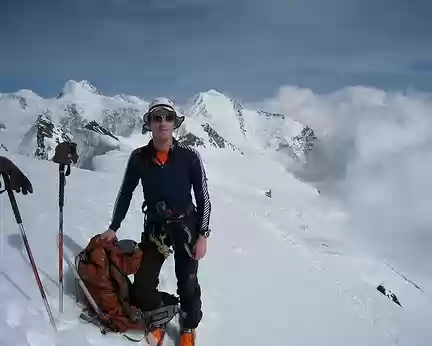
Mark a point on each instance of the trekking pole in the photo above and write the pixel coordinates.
(65, 154)
(27, 246)
(60, 235)
(89, 297)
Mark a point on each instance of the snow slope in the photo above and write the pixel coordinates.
(278, 271)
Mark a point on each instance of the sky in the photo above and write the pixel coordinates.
(245, 48)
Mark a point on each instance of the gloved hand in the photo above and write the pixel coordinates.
(66, 153)
(19, 182)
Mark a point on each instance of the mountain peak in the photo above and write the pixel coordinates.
(221, 113)
(212, 92)
(211, 95)
(75, 88)
(90, 87)
(26, 93)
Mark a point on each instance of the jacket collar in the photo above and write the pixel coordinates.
(153, 149)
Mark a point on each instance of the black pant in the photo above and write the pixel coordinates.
(144, 289)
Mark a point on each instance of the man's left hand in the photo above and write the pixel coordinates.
(200, 247)
(18, 180)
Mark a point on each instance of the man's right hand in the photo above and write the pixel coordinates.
(108, 236)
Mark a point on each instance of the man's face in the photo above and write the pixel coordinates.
(162, 123)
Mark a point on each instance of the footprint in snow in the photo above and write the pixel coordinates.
(238, 249)
(13, 317)
(36, 338)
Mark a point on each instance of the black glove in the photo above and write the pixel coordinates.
(18, 181)
(66, 153)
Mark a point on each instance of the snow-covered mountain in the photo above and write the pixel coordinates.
(33, 125)
(278, 248)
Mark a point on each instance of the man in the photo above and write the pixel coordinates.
(168, 171)
(18, 181)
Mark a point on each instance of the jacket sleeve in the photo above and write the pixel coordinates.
(202, 198)
(130, 181)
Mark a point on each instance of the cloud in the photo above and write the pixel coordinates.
(422, 66)
(375, 156)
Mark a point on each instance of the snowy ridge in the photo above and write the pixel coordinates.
(213, 120)
(46, 134)
(320, 282)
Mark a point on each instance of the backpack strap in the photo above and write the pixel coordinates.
(151, 318)
(123, 290)
(160, 316)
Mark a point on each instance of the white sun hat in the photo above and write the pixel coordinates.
(158, 103)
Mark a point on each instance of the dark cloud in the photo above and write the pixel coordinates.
(422, 66)
(246, 47)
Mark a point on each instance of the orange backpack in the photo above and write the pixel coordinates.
(104, 268)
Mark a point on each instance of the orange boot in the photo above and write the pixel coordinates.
(187, 337)
(156, 336)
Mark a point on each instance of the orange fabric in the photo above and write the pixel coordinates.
(162, 156)
(188, 339)
(156, 337)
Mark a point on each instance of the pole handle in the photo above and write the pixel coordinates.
(12, 198)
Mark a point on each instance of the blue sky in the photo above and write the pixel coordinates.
(247, 48)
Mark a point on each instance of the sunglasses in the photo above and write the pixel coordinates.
(158, 115)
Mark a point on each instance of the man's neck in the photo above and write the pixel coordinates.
(162, 144)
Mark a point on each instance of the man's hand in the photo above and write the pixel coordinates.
(108, 236)
(19, 182)
(200, 247)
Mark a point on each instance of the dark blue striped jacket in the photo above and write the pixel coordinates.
(171, 182)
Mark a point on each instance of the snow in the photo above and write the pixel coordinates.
(267, 276)
(285, 270)
(216, 109)
(247, 129)
(81, 89)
